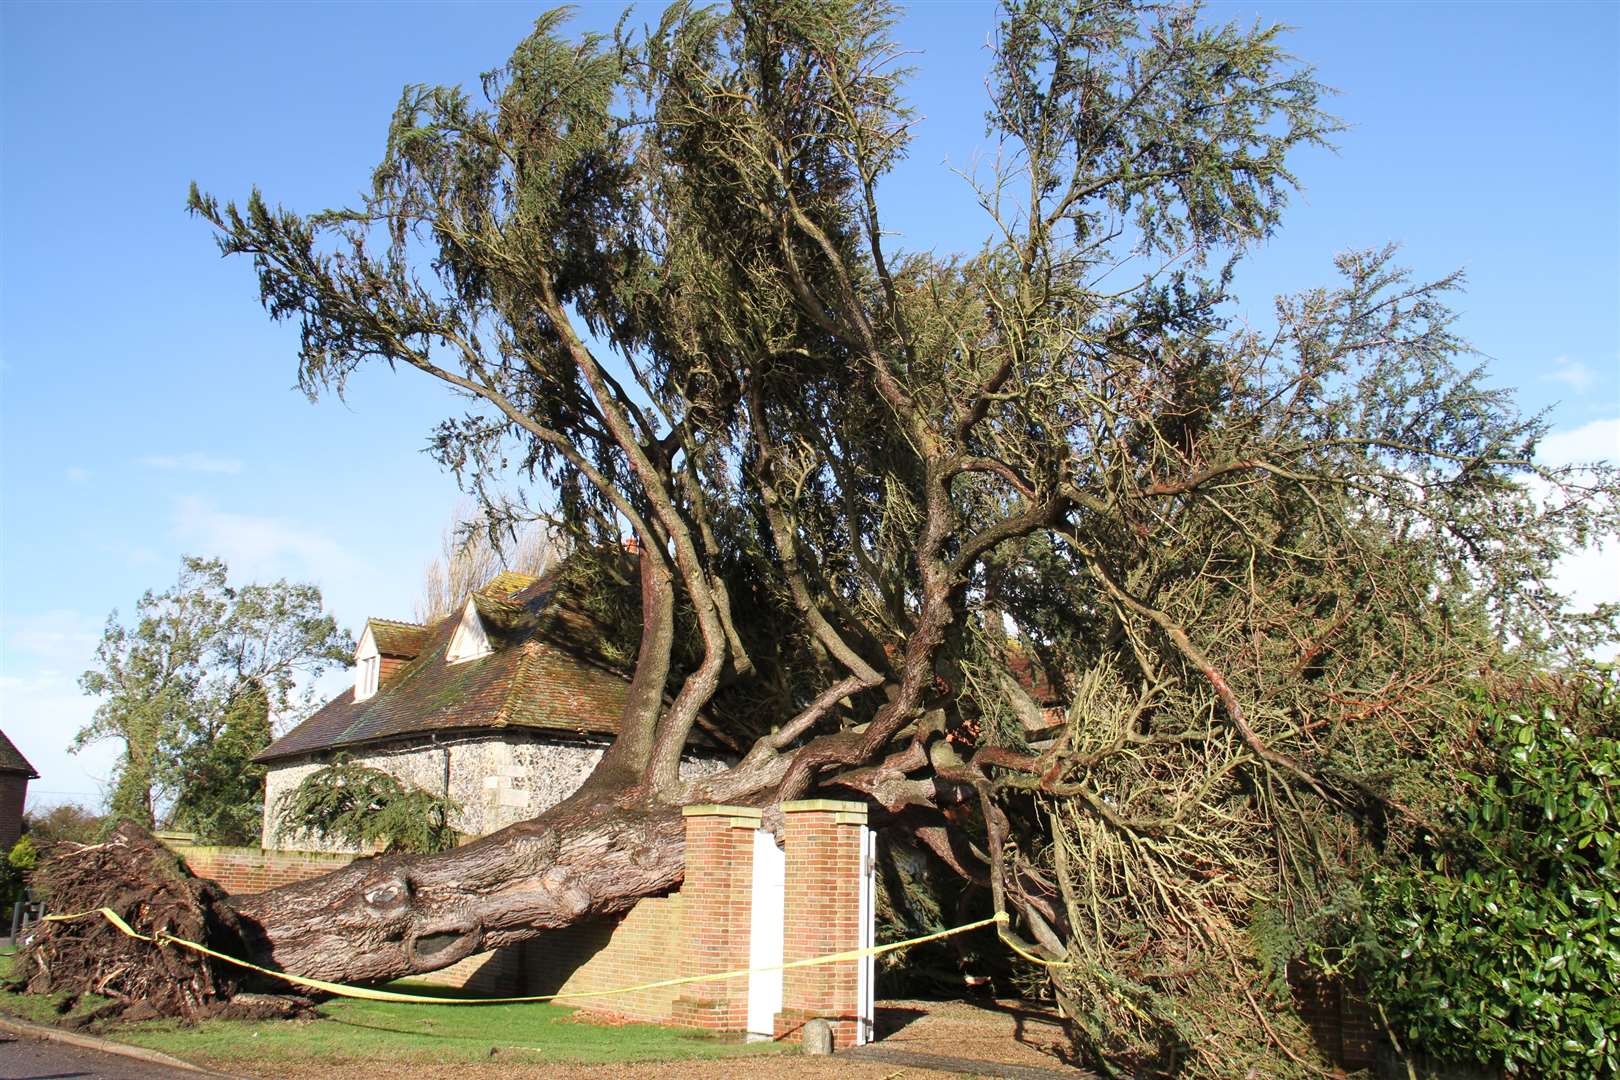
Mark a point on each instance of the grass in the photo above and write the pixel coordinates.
(380, 1032)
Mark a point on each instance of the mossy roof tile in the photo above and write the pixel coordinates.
(544, 675)
(401, 640)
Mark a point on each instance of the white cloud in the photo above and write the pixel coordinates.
(59, 638)
(77, 475)
(257, 547)
(43, 711)
(1592, 442)
(1572, 373)
(43, 707)
(193, 462)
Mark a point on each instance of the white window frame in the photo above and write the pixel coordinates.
(367, 666)
(470, 641)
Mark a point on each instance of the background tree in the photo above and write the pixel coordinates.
(474, 548)
(914, 508)
(149, 677)
(64, 821)
(191, 688)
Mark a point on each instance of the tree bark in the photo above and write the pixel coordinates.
(397, 915)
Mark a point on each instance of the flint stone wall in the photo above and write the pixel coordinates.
(495, 779)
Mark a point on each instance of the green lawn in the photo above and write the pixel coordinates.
(375, 1031)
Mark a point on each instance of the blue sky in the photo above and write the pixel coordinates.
(147, 405)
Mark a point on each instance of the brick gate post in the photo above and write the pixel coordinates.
(716, 900)
(822, 843)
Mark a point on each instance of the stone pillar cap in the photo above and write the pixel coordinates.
(718, 810)
(835, 806)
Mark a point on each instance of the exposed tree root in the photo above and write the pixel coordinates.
(151, 889)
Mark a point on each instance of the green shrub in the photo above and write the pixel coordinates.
(1500, 943)
(23, 854)
(14, 871)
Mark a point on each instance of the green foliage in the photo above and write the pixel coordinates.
(189, 689)
(14, 872)
(23, 855)
(219, 788)
(65, 821)
(362, 807)
(1501, 943)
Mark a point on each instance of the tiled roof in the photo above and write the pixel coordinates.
(12, 761)
(544, 674)
(402, 640)
(508, 583)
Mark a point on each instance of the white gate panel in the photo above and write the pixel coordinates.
(866, 974)
(766, 927)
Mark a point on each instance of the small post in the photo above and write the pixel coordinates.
(817, 1037)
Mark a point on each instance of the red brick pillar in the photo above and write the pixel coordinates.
(716, 901)
(823, 848)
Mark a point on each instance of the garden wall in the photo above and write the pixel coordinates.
(250, 870)
(637, 947)
(1341, 1021)
(702, 928)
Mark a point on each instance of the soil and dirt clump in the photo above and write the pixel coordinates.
(148, 887)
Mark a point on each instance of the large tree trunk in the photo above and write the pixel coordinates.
(396, 915)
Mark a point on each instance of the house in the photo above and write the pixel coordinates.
(505, 707)
(15, 772)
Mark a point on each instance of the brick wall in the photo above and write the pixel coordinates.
(703, 928)
(636, 947)
(822, 842)
(251, 870)
(13, 794)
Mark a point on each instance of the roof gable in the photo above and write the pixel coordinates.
(469, 641)
(12, 761)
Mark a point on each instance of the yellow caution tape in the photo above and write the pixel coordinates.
(368, 994)
(1027, 955)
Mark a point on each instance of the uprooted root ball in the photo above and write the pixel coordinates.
(150, 889)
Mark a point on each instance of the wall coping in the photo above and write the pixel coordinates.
(720, 810)
(259, 852)
(834, 806)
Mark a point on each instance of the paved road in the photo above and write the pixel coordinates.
(35, 1059)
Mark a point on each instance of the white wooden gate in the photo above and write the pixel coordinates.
(765, 930)
(866, 975)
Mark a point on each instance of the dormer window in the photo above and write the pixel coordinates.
(367, 666)
(470, 641)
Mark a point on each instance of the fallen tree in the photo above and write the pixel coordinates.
(1139, 620)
